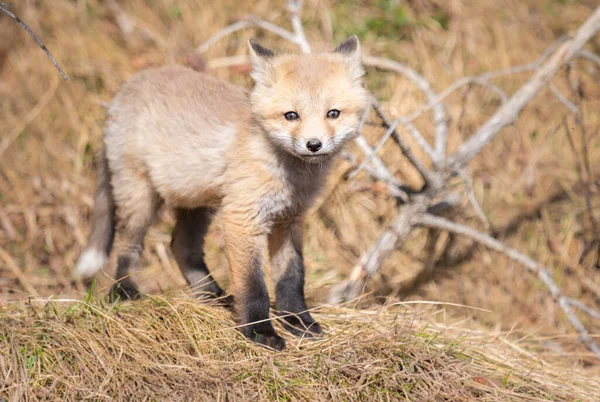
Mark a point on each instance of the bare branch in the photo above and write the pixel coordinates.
(372, 153)
(583, 307)
(508, 113)
(542, 272)
(570, 105)
(439, 114)
(127, 25)
(5, 8)
(378, 168)
(252, 22)
(392, 183)
(420, 140)
(586, 54)
(429, 178)
(371, 261)
(484, 80)
(294, 7)
(472, 199)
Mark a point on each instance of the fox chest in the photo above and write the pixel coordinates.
(287, 202)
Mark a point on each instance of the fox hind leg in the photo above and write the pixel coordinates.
(136, 207)
(187, 244)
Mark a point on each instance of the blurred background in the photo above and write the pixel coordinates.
(537, 182)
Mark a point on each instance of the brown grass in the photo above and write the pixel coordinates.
(175, 349)
(527, 182)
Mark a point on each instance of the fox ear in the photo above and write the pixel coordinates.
(350, 49)
(260, 58)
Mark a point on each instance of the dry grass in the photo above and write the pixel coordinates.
(175, 349)
(527, 182)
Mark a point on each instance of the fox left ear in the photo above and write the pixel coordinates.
(349, 46)
(260, 58)
(350, 49)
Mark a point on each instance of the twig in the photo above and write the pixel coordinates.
(378, 170)
(127, 25)
(429, 178)
(586, 54)
(508, 113)
(570, 105)
(484, 80)
(472, 199)
(294, 7)
(542, 272)
(5, 8)
(583, 307)
(249, 23)
(420, 140)
(392, 183)
(439, 115)
(372, 153)
(381, 171)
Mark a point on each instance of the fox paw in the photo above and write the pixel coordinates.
(124, 290)
(307, 328)
(265, 337)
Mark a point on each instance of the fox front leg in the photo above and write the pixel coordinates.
(287, 264)
(245, 251)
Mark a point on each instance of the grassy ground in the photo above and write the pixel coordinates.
(532, 182)
(175, 349)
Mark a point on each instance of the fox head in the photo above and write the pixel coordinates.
(309, 105)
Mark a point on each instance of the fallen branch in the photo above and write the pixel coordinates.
(434, 222)
(6, 9)
(509, 112)
(371, 261)
(435, 196)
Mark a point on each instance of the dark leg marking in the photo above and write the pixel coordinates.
(187, 243)
(291, 303)
(254, 309)
(124, 289)
(285, 246)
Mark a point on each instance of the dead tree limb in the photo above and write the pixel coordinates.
(509, 112)
(370, 262)
(435, 196)
(434, 222)
(6, 9)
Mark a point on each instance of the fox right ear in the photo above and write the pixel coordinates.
(260, 58)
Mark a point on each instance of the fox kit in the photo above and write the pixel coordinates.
(196, 144)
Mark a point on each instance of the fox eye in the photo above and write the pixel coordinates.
(333, 114)
(291, 116)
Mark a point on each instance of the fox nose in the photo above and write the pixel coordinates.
(314, 145)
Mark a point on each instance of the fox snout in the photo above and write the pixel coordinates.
(314, 144)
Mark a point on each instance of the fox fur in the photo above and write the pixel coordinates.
(197, 144)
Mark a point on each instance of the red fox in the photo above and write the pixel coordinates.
(182, 138)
